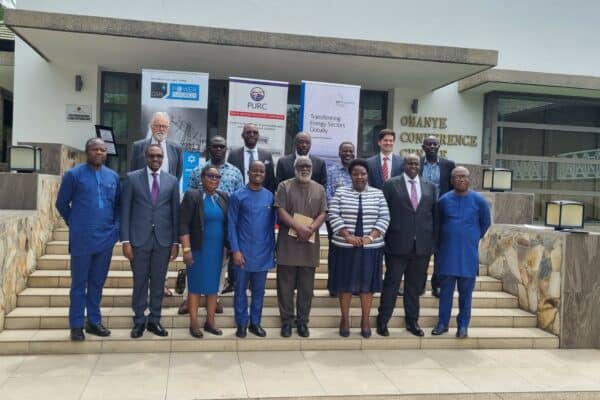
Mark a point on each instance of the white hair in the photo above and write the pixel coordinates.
(160, 114)
(302, 158)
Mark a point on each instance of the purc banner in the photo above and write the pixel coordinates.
(262, 103)
(329, 113)
(184, 95)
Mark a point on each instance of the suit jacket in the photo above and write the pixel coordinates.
(411, 231)
(285, 169)
(446, 167)
(236, 157)
(376, 174)
(140, 217)
(174, 154)
(191, 216)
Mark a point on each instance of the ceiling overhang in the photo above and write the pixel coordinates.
(130, 45)
(531, 82)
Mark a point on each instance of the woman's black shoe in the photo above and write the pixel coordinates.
(212, 329)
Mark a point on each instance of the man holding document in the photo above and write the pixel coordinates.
(301, 207)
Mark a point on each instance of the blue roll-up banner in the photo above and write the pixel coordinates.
(329, 113)
(191, 161)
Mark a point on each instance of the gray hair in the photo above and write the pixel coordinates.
(161, 114)
(302, 158)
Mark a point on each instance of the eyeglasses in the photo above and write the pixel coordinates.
(155, 156)
(157, 126)
(213, 177)
(218, 146)
(251, 132)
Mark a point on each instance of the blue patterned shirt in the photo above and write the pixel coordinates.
(231, 178)
(337, 175)
(431, 172)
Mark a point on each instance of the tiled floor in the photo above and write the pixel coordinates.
(181, 376)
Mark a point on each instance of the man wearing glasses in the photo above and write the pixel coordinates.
(243, 156)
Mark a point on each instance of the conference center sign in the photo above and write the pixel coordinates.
(416, 128)
(329, 113)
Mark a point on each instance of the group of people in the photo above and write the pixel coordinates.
(403, 210)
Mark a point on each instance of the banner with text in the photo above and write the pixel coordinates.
(184, 96)
(329, 113)
(262, 103)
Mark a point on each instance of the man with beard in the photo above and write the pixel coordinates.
(301, 207)
(243, 156)
(285, 165)
(88, 202)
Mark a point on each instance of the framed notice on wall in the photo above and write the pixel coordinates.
(106, 133)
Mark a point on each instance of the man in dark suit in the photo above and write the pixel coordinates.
(173, 161)
(384, 165)
(149, 223)
(438, 171)
(243, 156)
(285, 165)
(409, 242)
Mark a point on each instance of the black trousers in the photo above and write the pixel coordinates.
(301, 280)
(149, 266)
(414, 268)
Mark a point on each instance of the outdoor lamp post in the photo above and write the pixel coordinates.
(497, 179)
(564, 214)
(24, 158)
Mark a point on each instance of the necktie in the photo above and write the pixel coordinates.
(155, 188)
(385, 169)
(413, 194)
(250, 161)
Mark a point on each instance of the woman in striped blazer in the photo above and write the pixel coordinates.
(359, 217)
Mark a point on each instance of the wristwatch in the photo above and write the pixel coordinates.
(371, 238)
(187, 250)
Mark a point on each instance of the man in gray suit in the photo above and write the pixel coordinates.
(149, 221)
(410, 240)
(159, 127)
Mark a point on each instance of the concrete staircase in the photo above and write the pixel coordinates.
(39, 324)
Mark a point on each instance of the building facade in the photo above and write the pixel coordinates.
(511, 84)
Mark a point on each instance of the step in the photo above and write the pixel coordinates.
(62, 247)
(121, 297)
(123, 279)
(56, 341)
(321, 317)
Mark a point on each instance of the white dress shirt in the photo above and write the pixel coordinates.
(165, 163)
(247, 160)
(407, 180)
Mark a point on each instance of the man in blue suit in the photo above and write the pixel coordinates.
(88, 202)
(384, 165)
(149, 221)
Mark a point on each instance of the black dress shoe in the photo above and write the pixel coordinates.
(257, 330)
(183, 308)
(286, 330)
(344, 328)
(302, 330)
(439, 330)
(98, 330)
(382, 330)
(212, 329)
(401, 292)
(195, 332)
(414, 328)
(137, 331)
(77, 335)
(435, 292)
(241, 331)
(462, 333)
(228, 289)
(157, 329)
(366, 333)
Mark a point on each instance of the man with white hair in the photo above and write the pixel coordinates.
(159, 129)
(301, 208)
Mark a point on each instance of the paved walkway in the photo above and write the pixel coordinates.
(482, 374)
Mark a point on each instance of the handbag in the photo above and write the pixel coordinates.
(180, 282)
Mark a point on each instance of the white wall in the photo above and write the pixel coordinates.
(42, 91)
(535, 35)
(464, 115)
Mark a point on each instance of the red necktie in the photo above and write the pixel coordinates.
(385, 169)
(413, 194)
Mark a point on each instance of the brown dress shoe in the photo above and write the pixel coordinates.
(183, 308)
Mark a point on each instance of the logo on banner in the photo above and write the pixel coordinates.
(158, 90)
(257, 93)
(340, 102)
(184, 91)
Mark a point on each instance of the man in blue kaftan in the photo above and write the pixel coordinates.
(250, 219)
(464, 219)
(88, 201)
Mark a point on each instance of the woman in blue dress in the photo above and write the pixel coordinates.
(203, 229)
